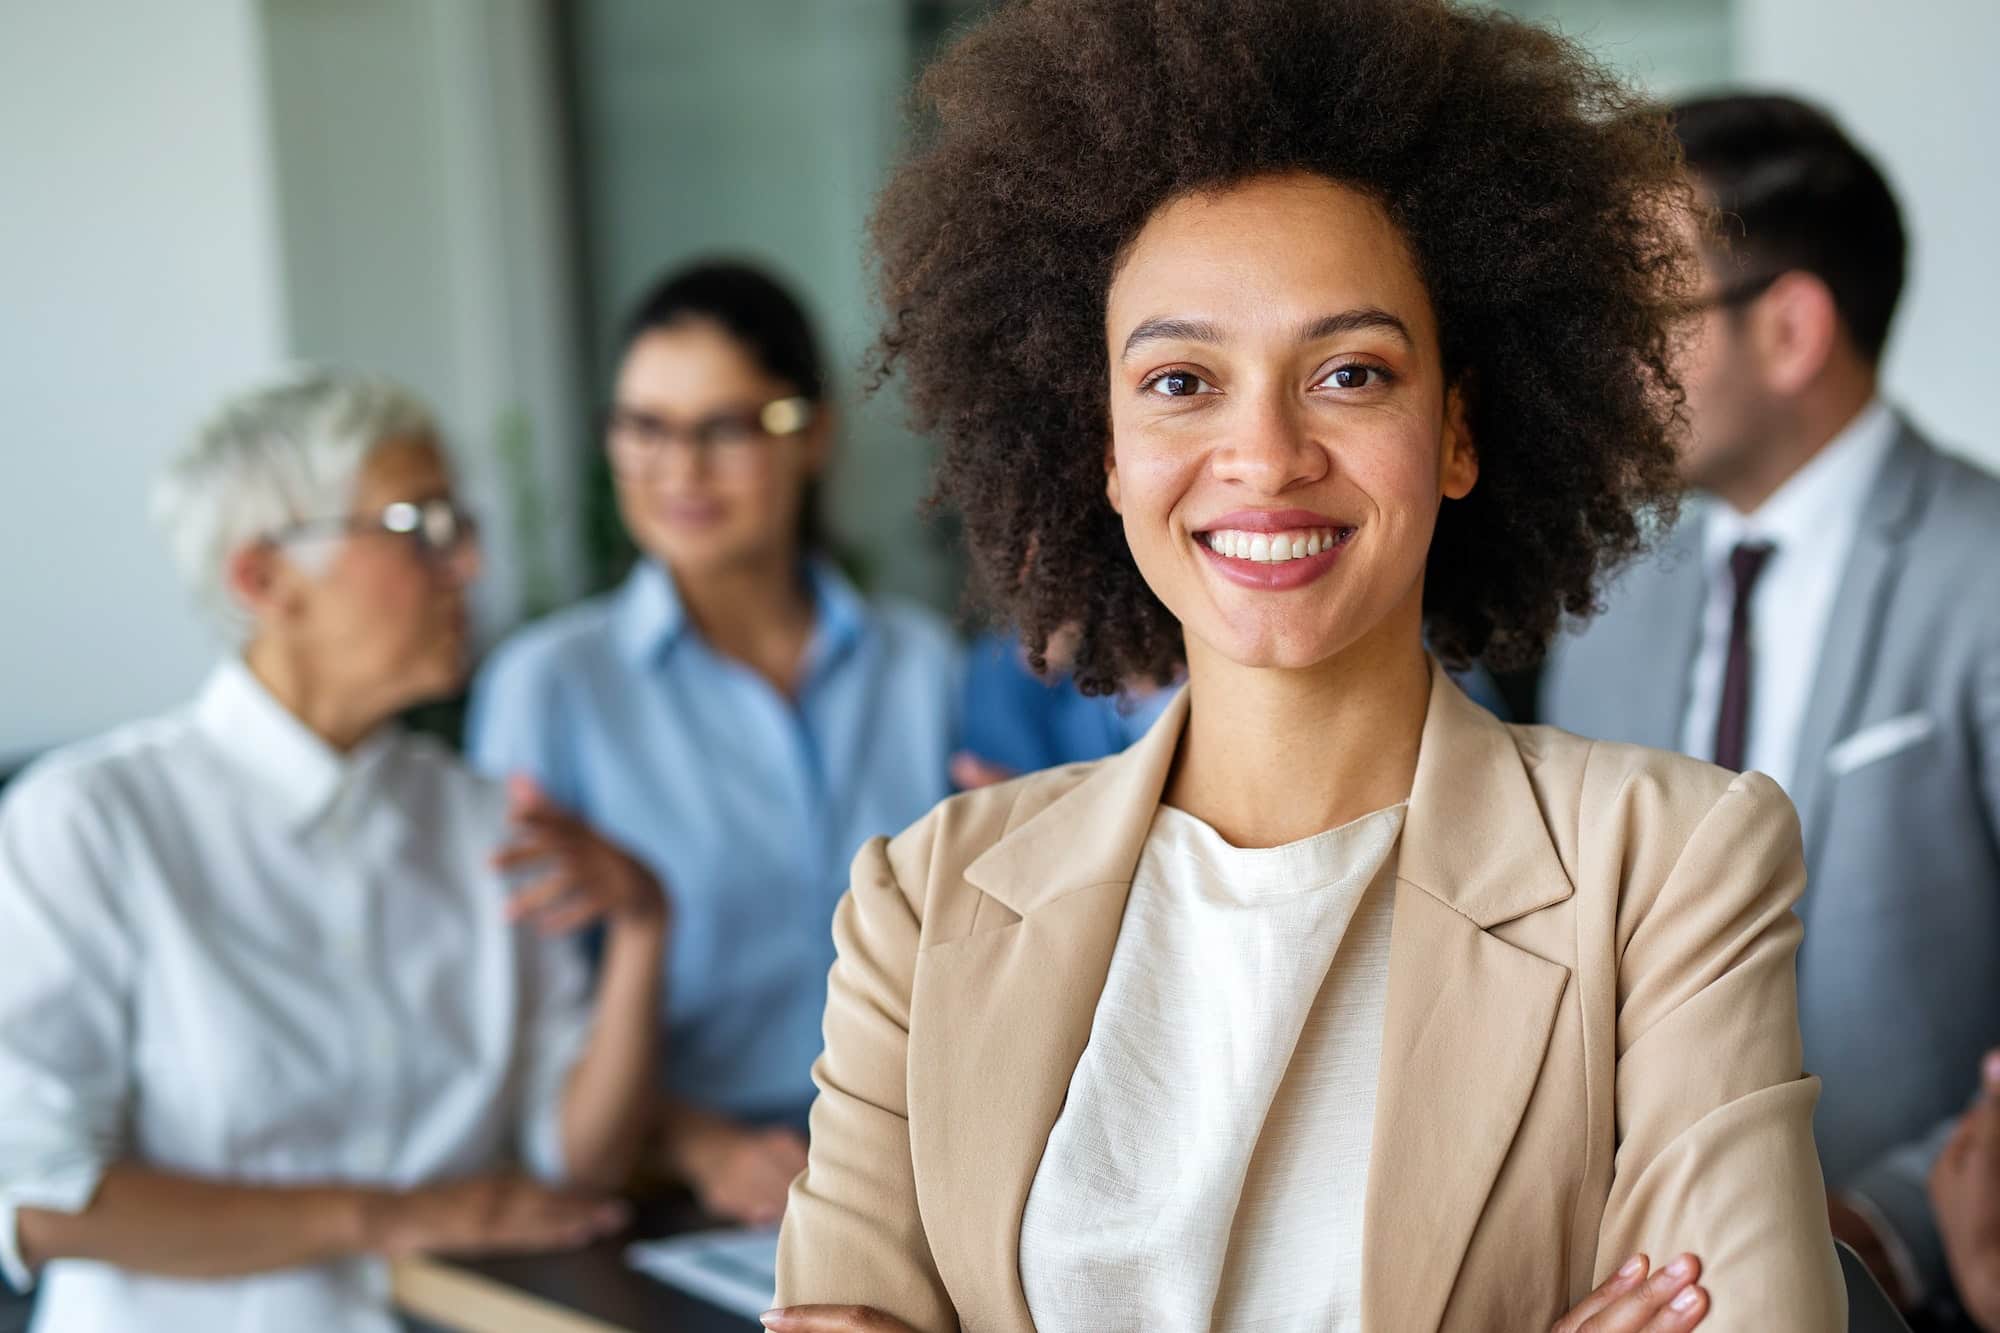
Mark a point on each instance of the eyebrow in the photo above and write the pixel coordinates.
(1326, 326)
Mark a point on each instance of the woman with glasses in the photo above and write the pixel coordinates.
(735, 712)
(268, 1013)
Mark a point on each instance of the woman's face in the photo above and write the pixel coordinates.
(384, 618)
(1281, 430)
(733, 501)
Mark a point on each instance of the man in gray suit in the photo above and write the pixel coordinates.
(1828, 612)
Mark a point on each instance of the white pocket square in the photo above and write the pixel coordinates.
(1878, 742)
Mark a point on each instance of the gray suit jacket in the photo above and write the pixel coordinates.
(1898, 788)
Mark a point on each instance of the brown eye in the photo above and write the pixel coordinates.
(1354, 375)
(1177, 384)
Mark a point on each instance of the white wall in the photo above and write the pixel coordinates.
(1914, 84)
(138, 281)
(425, 227)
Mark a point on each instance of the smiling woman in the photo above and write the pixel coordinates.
(1274, 338)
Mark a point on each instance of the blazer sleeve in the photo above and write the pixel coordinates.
(852, 1234)
(1713, 1109)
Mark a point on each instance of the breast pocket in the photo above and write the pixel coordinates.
(1880, 741)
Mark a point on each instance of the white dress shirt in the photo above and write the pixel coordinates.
(228, 951)
(1810, 521)
(1210, 1164)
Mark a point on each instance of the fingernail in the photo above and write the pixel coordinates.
(771, 1318)
(1686, 1300)
(1681, 1267)
(1993, 1070)
(1633, 1266)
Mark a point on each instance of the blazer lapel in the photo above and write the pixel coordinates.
(1020, 993)
(1469, 1016)
(1853, 641)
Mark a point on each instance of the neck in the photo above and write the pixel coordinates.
(1801, 435)
(1271, 756)
(756, 611)
(337, 718)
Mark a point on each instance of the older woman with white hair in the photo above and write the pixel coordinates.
(267, 1010)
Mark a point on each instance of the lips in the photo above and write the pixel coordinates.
(1274, 550)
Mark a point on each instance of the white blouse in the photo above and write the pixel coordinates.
(1210, 1164)
(228, 951)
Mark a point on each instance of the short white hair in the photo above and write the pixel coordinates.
(282, 452)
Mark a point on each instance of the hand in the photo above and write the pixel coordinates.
(1852, 1228)
(1631, 1302)
(1965, 1192)
(584, 875)
(737, 1173)
(969, 772)
(494, 1214)
(832, 1319)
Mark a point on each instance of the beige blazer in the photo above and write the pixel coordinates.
(1591, 1043)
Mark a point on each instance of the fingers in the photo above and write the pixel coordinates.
(1989, 1075)
(525, 795)
(969, 772)
(1666, 1302)
(555, 1221)
(1625, 1279)
(786, 1151)
(540, 895)
(831, 1319)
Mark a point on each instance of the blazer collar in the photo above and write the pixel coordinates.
(1475, 839)
(1468, 1014)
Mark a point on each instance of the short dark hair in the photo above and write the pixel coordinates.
(1794, 192)
(764, 318)
(1536, 191)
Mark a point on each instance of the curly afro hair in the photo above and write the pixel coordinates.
(1537, 192)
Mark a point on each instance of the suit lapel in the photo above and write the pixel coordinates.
(1019, 993)
(1854, 633)
(1469, 1016)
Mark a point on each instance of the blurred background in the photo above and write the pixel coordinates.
(464, 194)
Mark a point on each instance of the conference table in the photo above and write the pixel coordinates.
(592, 1290)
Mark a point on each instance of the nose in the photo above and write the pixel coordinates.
(1269, 446)
(465, 561)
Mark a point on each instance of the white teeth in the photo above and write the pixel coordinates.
(1270, 548)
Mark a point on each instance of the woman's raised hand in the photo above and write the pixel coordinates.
(581, 876)
(1631, 1301)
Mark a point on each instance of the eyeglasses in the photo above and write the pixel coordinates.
(635, 439)
(437, 527)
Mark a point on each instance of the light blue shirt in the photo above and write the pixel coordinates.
(747, 804)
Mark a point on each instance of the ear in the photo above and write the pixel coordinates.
(260, 580)
(1111, 477)
(1460, 469)
(1797, 327)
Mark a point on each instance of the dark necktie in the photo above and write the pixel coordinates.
(1746, 562)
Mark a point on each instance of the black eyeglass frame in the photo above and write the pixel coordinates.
(713, 436)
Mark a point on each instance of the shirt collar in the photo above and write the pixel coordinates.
(650, 616)
(284, 759)
(1825, 496)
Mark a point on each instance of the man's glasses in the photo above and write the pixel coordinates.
(436, 527)
(635, 439)
(1736, 294)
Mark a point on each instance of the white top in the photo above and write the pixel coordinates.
(228, 951)
(1210, 1164)
(1810, 521)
